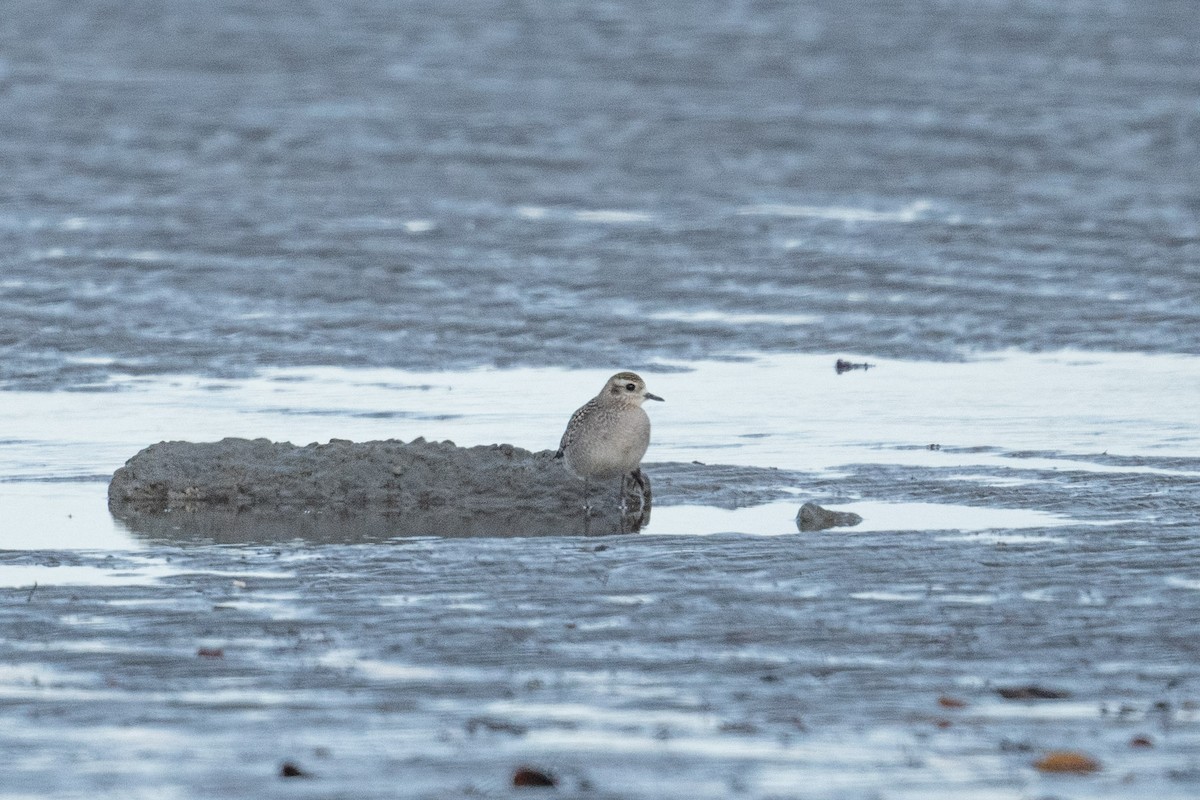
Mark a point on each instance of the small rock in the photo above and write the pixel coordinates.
(951, 702)
(290, 770)
(814, 518)
(210, 652)
(1141, 741)
(528, 777)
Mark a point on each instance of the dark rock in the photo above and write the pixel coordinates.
(814, 518)
(527, 777)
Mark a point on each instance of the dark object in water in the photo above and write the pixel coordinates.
(1031, 692)
(812, 517)
(529, 777)
(290, 770)
(843, 365)
(492, 725)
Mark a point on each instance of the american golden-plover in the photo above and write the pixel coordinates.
(607, 437)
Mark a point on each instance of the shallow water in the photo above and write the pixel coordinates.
(998, 439)
(363, 220)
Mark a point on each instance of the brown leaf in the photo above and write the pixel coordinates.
(210, 652)
(1141, 741)
(951, 702)
(1067, 761)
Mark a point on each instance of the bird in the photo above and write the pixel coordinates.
(608, 435)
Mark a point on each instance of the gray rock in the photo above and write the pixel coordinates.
(237, 489)
(813, 517)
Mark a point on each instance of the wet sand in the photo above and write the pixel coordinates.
(360, 187)
(628, 667)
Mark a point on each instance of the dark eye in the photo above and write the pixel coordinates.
(630, 386)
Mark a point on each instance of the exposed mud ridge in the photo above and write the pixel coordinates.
(242, 490)
(234, 487)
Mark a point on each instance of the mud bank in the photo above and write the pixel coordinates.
(259, 490)
(241, 486)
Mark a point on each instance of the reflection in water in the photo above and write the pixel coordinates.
(257, 527)
(223, 525)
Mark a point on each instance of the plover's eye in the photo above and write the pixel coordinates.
(630, 386)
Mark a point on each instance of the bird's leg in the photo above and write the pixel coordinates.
(639, 483)
(587, 507)
(639, 478)
(621, 503)
(624, 503)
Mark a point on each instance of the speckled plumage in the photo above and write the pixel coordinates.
(609, 434)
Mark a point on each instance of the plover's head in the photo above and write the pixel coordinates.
(627, 387)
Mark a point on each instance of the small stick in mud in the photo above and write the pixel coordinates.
(29, 599)
(843, 365)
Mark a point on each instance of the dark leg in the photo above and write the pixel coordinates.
(641, 487)
(587, 506)
(621, 501)
(643, 484)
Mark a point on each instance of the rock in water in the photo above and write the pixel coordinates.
(814, 518)
(239, 489)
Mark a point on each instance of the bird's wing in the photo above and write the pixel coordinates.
(571, 424)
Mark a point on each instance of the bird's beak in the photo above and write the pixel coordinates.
(649, 396)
